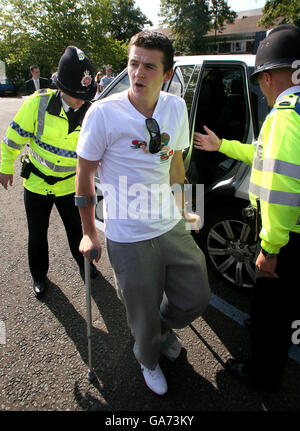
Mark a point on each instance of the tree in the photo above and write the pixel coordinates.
(190, 21)
(280, 12)
(127, 19)
(220, 12)
(38, 31)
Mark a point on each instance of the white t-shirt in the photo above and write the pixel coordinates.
(139, 204)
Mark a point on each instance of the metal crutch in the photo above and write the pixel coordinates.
(87, 276)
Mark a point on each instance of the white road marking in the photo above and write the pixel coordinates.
(2, 332)
(239, 317)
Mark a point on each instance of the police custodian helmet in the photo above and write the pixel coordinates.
(278, 50)
(75, 75)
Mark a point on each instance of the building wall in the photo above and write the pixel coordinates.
(243, 36)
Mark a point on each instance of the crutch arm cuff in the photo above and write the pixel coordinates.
(83, 201)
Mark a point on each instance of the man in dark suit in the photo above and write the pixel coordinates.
(36, 83)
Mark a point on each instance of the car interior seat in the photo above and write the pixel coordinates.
(206, 167)
(233, 116)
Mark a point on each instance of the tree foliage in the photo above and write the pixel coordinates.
(220, 12)
(38, 31)
(127, 19)
(281, 12)
(190, 20)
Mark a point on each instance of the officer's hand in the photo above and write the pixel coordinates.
(266, 267)
(209, 142)
(88, 244)
(6, 179)
(193, 220)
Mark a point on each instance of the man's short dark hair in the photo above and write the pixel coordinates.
(154, 40)
(33, 67)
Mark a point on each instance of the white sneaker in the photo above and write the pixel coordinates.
(155, 379)
(171, 346)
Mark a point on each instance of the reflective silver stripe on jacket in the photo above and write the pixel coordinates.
(50, 165)
(278, 167)
(41, 115)
(12, 144)
(275, 196)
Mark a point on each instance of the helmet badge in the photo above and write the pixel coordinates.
(86, 79)
(80, 54)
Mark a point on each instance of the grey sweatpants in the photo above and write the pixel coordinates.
(163, 284)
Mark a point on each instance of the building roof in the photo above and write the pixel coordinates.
(252, 12)
(164, 30)
(246, 22)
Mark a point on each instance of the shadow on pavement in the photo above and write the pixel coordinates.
(236, 339)
(119, 384)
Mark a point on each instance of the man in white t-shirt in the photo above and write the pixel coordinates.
(138, 136)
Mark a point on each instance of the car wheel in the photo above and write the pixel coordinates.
(229, 244)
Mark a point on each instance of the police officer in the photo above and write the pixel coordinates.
(50, 120)
(275, 182)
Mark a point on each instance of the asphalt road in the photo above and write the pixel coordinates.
(43, 344)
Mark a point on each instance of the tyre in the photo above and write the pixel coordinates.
(228, 244)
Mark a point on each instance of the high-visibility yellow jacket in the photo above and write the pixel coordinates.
(43, 122)
(275, 174)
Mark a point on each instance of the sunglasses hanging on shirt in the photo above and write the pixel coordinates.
(155, 144)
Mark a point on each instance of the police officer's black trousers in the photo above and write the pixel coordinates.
(38, 208)
(275, 306)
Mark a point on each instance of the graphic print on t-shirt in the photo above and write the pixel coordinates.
(165, 152)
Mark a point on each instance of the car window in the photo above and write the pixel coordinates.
(176, 84)
(222, 103)
(222, 106)
(121, 85)
(184, 83)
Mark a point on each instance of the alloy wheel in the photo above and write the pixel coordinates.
(232, 250)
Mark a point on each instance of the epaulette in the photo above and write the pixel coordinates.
(42, 91)
(288, 101)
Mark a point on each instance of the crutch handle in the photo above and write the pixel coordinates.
(93, 253)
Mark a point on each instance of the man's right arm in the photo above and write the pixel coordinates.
(85, 186)
(17, 135)
(234, 149)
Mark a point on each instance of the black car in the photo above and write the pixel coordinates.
(7, 88)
